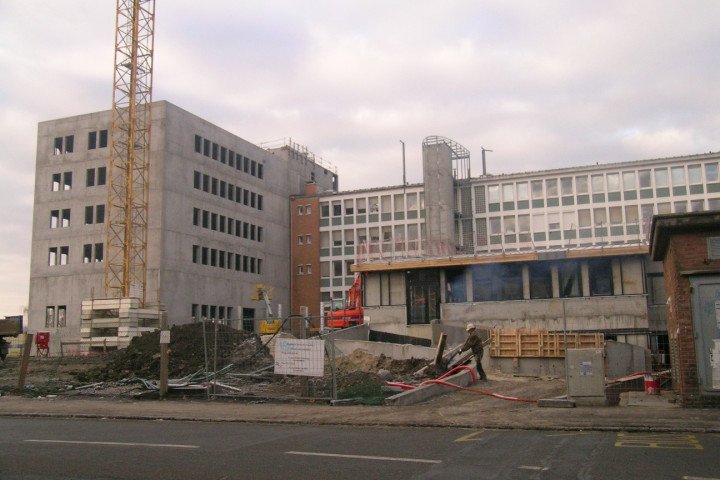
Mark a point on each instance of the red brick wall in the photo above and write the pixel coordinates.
(686, 252)
(305, 288)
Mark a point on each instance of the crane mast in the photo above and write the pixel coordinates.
(128, 179)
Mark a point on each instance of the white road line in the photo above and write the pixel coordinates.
(530, 467)
(115, 444)
(366, 457)
(698, 478)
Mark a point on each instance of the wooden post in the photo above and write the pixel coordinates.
(24, 362)
(299, 330)
(163, 356)
(440, 349)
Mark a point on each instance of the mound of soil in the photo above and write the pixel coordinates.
(187, 354)
(361, 360)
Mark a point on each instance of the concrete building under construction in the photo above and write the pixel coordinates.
(217, 226)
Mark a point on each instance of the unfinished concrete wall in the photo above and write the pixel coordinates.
(439, 194)
(622, 359)
(394, 320)
(392, 350)
(594, 313)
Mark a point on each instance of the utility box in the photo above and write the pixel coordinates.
(586, 376)
(715, 363)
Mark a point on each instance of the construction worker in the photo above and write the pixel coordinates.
(474, 343)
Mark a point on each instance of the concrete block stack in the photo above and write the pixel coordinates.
(110, 323)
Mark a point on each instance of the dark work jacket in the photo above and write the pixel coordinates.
(474, 343)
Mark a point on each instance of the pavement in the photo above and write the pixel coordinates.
(640, 412)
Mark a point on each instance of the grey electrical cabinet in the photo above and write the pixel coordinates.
(586, 375)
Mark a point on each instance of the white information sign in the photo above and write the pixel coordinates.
(300, 357)
(164, 336)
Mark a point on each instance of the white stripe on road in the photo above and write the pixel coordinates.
(366, 457)
(530, 467)
(698, 478)
(116, 444)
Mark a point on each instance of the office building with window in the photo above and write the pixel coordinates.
(554, 249)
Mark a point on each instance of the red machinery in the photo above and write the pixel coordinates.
(350, 314)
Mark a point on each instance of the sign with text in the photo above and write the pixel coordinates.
(300, 357)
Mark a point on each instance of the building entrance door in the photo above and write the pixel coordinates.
(705, 300)
(423, 296)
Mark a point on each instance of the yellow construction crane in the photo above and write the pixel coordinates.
(128, 179)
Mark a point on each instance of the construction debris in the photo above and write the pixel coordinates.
(187, 351)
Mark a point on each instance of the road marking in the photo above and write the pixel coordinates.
(569, 434)
(698, 478)
(115, 444)
(365, 457)
(470, 437)
(649, 440)
(530, 467)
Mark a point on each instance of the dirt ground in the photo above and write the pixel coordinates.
(134, 372)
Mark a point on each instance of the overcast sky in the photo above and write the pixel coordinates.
(543, 84)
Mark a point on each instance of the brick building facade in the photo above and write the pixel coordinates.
(689, 247)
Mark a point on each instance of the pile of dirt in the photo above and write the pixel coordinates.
(361, 360)
(188, 354)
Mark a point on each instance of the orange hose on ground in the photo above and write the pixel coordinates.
(472, 373)
(501, 397)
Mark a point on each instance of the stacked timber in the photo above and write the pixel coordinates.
(113, 322)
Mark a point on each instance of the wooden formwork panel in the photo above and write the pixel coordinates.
(535, 342)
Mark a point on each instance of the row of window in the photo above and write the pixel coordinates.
(227, 190)
(504, 282)
(93, 176)
(400, 233)
(56, 316)
(229, 260)
(337, 268)
(93, 214)
(228, 157)
(589, 223)
(499, 282)
(92, 252)
(659, 182)
(399, 202)
(212, 312)
(304, 269)
(66, 144)
(583, 223)
(223, 224)
(61, 181)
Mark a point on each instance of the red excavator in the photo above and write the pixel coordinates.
(343, 316)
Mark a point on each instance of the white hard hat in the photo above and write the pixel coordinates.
(469, 327)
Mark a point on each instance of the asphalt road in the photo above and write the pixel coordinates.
(62, 449)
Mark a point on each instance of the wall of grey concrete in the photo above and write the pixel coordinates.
(439, 194)
(65, 285)
(356, 333)
(393, 319)
(172, 279)
(622, 359)
(539, 367)
(593, 313)
(391, 350)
